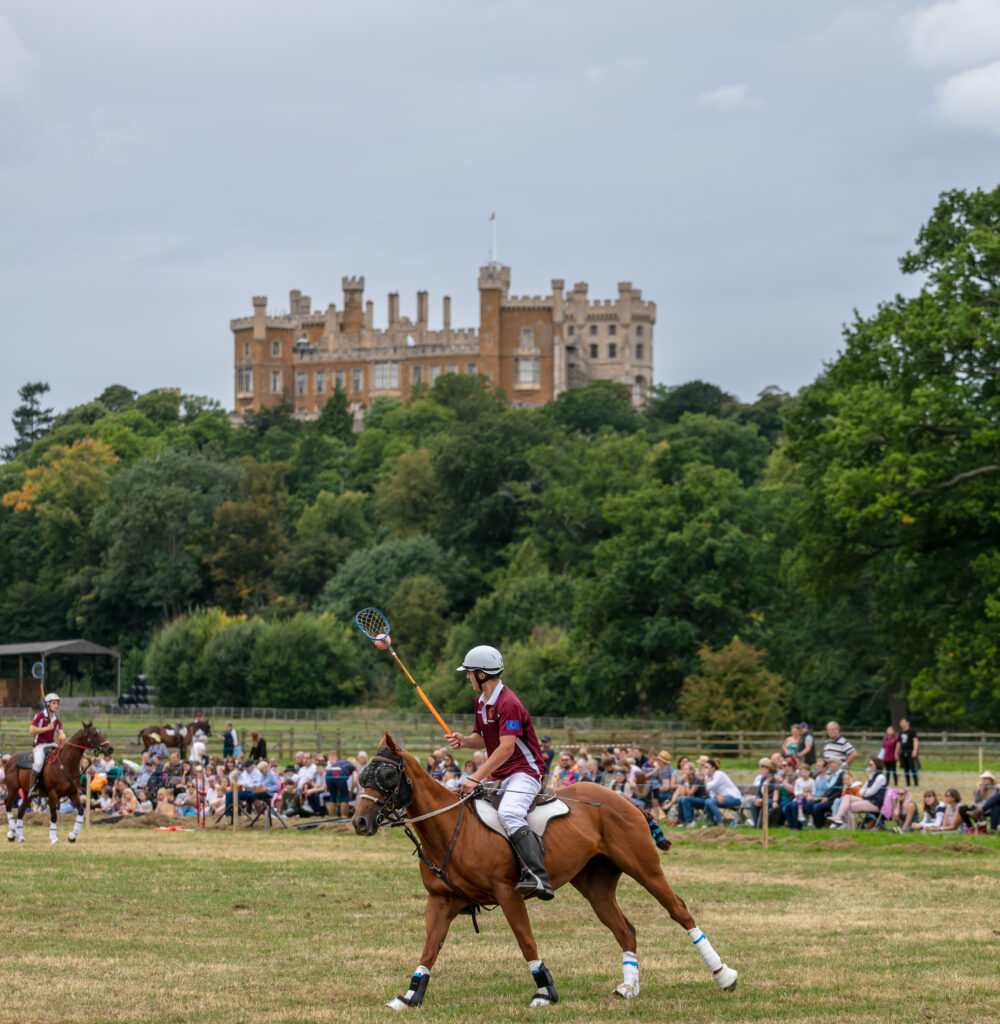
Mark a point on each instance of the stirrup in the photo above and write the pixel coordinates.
(531, 885)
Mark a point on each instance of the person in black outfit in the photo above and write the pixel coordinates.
(909, 750)
(258, 750)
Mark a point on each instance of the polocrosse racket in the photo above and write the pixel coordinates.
(38, 671)
(375, 626)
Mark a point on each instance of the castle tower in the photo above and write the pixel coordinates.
(494, 286)
(259, 317)
(354, 313)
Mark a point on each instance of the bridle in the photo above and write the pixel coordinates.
(387, 775)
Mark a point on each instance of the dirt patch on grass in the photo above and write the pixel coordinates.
(836, 843)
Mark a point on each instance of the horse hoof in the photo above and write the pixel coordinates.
(20, 839)
(726, 979)
(11, 836)
(71, 837)
(397, 1004)
(540, 1001)
(625, 991)
(53, 842)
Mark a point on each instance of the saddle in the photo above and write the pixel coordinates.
(544, 808)
(181, 732)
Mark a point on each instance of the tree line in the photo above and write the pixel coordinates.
(828, 554)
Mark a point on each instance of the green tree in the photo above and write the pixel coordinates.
(335, 418)
(174, 664)
(407, 500)
(469, 396)
(669, 404)
(599, 404)
(224, 665)
(697, 437)
(309, 661)
(734, 690)
(896, 449)
(30, 420)
(117, 398)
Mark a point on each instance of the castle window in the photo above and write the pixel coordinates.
(527, 370)
(638, 350)
(275, 348)
(571, 330)
(339, 380)
(638, 330)
(300, 383)
(612, 350)
(435, 373)
(357, 380)
(453, 367)
(321, 382)
(244, 381)
(525, 337)
(471, 369)
(246, 348)
(386, 376)
(593, 351)
(416, 374)
(612, 330)
(593, 330)
(276, 382)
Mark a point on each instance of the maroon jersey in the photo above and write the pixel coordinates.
(505, 715)
(49, 724)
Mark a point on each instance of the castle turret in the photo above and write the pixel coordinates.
(259, 317)
(494, 284)
(354, 314)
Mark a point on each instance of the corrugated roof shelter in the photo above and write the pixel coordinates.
(23, 690)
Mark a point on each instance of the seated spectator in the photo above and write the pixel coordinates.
(258, 747)
(869, 798)
(468, 769)
(832, 790)
(800, 806)
(291, 801)
(933, 812)
(720, 791)
(567, 773)
(450, 779)
(106, 802)
(985, 801)
(158, 750)
(143, 804)
(661, 779)
(165, 802)
(638, 791)
(765, 792)
(314, 790)
(688, 785)
(218, 805)
(620, 783)
(790, 747)
(951, 820)
(434, 769)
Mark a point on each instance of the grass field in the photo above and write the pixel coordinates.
(136, 925)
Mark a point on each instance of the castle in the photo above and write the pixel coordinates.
(534, 348)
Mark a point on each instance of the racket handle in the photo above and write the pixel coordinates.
(423, 696)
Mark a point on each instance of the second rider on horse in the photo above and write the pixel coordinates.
(503, 726)
(47, 731)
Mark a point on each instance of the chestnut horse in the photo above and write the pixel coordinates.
(158, 734)
(464, 865)
(60, 777)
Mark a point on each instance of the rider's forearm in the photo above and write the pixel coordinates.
(473, 742)
(497, 758)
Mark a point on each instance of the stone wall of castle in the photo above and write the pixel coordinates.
(533, 347)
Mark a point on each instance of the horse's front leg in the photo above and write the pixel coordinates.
(10, 805)
(516, 912)
(438, 914)
(53, 818)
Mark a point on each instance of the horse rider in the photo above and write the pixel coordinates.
(503, 726)
(47, 730)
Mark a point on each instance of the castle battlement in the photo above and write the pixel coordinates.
(353, 284)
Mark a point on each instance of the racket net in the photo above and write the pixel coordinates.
(372, 623)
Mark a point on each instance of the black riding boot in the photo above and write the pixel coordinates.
(534, 877)
(32, 784)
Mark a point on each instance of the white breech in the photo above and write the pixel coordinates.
(40, 753)
(517, 792)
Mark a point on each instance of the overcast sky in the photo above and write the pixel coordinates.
(756, 168)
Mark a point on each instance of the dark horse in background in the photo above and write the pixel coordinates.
(179, 735)
(464, 865)
(60, 777)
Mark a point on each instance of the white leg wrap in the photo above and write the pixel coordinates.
(712, 959)
(77, 827)
(53, 832)
(10, 819)
(629, 988)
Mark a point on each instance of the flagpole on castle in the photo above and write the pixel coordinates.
(493, 251)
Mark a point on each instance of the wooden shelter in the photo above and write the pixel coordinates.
(22, 690)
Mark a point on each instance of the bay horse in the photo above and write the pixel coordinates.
(179, 736)
(59, 777)
(464, 866)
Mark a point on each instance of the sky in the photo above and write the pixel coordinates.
(756, 168)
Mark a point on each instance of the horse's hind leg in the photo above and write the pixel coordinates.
(53, 818)
(9, 806)
(78, 824)
(641, 861)
(597, 883)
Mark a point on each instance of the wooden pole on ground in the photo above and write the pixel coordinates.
(234, 780)
(980, 760)
(765, 807)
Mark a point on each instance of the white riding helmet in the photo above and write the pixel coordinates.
(483, 659)
(50, 697)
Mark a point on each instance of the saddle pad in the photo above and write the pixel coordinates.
(538, 818)
(25, 759)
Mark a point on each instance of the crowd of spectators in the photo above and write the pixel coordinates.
(804, 784)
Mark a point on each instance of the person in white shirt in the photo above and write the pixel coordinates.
(720, 792)
(198, 750)
(800, 807)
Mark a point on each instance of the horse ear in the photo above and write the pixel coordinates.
(388, 741)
